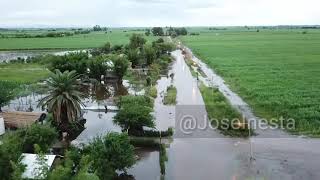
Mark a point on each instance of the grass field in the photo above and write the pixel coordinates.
(23, 73)
(92, 40)
(276, 72)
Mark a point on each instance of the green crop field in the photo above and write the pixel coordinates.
(23, 73)
(276, 71)
(82, 41)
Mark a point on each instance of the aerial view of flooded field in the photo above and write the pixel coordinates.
(154, 90)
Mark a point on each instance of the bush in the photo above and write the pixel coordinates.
(134, 117)
(110, 154)
(170, 96)
(134, 57)
(98, 66)
(42, 135)
(152, 91)
(70, 62)
(137, 41)
(10, 152)
(131, 100)
(163, 158)
(120, 66)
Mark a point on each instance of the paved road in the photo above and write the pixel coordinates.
(206, 154)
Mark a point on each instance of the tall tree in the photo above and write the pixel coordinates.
(157, 31)
(134, 57)
(64, 98)
(137, 41)
(150, 54)
(121, 64)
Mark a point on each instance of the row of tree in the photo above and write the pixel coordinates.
(171, 31)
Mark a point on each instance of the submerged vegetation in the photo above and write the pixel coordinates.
(170, 96)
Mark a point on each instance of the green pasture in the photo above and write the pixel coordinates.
(276, 71)
(81, 41)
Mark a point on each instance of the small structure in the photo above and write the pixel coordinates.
(33, 167)
(16, 119)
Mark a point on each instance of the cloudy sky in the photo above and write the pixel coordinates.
(138, 13)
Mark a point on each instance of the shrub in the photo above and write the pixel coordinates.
(42, 135)
(110, 153)
(120, 66)
(134, 117)
(163, 158)
(152, 91)
(170, 96)
(70, 62)
(10, 152)
(131, 100)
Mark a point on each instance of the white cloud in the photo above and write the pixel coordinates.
(158, 12)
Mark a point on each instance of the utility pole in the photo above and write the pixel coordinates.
(250, 142)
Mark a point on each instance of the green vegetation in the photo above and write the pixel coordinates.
(152, 91)
(22, 140)
(222, 113)
(134, 113)
(276, 71)
(77, 41)
(163, 158)
(63, 99)
(23, 73)
(110, 154)
(101, 159)
(170, 96)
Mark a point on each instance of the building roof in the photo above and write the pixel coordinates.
(18, 119)
(32, 164)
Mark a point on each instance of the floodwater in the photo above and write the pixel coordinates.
(205, 153)
(100, 122)
(222, 157)
(6, 56)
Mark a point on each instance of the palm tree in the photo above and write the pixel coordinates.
(64, 99)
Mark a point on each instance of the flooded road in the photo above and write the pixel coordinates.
(282, 157)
